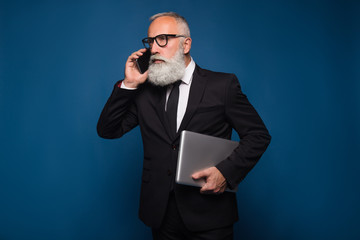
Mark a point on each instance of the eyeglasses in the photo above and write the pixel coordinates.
(161, 40)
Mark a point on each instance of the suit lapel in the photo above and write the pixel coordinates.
(196, 93)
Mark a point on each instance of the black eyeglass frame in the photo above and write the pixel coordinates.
(150, 40)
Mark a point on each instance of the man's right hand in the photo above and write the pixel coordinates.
(133, 77)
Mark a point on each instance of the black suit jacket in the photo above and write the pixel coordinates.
(216, 105)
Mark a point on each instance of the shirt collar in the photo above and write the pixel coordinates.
(189, 70)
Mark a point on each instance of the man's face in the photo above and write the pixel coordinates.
(164, 25)
(167, 64)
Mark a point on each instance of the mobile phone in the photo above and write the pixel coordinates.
(143, 61)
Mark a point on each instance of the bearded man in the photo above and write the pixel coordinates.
(199, 100)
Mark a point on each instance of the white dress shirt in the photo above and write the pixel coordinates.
(184, 90)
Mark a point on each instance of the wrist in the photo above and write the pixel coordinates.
(129, 84)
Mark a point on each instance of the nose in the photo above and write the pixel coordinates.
(155, 48)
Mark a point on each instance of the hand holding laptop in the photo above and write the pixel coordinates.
(215, 183)
(198, 156)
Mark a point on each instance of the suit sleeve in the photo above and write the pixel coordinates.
(254, 137)
(119, 114)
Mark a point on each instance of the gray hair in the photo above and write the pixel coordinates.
(181, 21)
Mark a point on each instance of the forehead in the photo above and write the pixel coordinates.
(163, 25)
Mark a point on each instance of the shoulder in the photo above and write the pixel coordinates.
(207, 72)
(220, 78)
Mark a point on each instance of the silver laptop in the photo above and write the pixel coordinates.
(197, 152)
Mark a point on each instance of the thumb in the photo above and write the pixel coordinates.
(200, 174)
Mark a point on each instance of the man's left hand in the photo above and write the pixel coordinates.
(215, 183)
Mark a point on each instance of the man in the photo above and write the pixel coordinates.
(202, 101)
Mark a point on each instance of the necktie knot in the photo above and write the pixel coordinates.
(177, 83)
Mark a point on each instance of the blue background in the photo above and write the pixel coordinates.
(298, 62)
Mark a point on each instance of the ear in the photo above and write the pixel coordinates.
(187, 45)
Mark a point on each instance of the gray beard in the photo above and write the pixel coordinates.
(167, 72)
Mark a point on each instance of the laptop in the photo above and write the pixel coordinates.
(197, 152)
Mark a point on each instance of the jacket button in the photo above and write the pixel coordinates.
(173, 147)
(168, 172)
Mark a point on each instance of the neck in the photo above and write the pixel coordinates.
(187, 59)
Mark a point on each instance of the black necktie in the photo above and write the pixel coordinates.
(172, 105)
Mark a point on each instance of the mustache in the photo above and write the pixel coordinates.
(158, 57)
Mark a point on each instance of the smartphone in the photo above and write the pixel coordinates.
(143, 61)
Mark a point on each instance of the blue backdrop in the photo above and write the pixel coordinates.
(298, 62)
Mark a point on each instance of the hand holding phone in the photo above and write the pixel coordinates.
(133, 75)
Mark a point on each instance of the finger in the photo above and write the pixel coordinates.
(142, 50)
(210, 190)
(200, 174)
(204, 189)
(137, 54)
(209, 186)
(219, 190)
(131, 59)
(134, 56)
